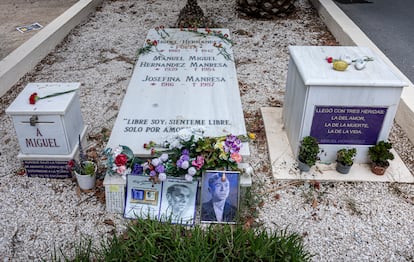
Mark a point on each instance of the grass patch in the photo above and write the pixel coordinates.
(150, 240)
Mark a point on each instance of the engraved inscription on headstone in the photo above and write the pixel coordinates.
(186, 80)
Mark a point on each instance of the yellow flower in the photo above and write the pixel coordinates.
(251, 135)
(219, 145)
(223, 155)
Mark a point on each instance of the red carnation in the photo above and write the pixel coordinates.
(33, 98)
(121, 160)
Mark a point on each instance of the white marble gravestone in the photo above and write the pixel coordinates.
(185, 81)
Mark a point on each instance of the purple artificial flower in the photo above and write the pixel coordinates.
(185, 165)
(183, 158)
(232, 144)
(160, 169)
(137, 169)
(153, 173)
(185, 152)
(179, 162)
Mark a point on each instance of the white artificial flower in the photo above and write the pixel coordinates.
(145, 166)
(192, 171)
(162, 176)
(188, 178)
(185, 165)
(164, 157)
(155, 161)
(176, 144)
(117, 150)
(185, 135)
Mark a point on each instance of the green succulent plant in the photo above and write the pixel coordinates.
(346, 156)
(380, 153)
(309, 150)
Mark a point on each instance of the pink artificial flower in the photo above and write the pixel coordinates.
(198, 162)
(236, 157)
(121, 170)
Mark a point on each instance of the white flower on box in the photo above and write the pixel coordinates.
(185, 135)
(156, 161)
(164, 157)
(192, 171)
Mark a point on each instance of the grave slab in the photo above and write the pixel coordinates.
(284, 165)
(187, 80)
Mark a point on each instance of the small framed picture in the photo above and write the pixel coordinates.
(143, 198)
(178, 203)
(220, 196)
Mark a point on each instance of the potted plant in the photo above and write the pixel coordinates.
(85, 170)
(308, 153)
(345, 160)
(379, 155)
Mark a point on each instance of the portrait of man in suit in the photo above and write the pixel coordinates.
(220, 207)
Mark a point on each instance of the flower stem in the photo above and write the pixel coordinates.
(57, 94)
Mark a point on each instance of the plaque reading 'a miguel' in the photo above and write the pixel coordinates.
(347, 125)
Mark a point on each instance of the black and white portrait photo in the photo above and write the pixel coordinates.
(178, 201)
(220, 196)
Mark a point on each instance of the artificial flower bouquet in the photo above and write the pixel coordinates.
(187, 154)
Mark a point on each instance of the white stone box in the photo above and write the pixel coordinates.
(342, 109)
(52, 125)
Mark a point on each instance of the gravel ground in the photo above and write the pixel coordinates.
(339, 221)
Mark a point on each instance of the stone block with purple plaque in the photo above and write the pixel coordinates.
(343, 109)
(51, 166)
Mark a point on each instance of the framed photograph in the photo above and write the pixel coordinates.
(178, 203)
(220, 196)
(142, 198)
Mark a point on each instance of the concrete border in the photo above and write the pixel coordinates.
(31, 52)
(348, 33)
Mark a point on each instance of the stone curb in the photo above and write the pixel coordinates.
(348, 33)
(30, 53)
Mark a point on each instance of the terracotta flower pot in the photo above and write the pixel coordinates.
(378, 170)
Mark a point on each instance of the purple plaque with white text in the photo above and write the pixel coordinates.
(347, 125)
(47, 169)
